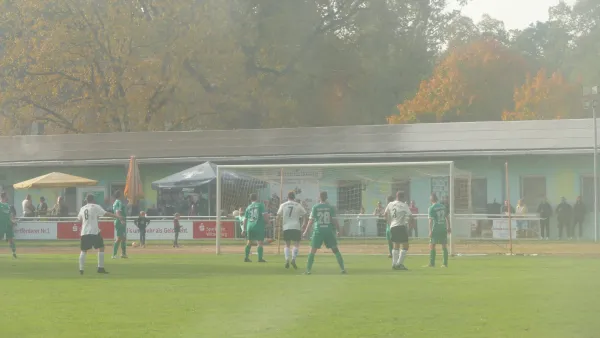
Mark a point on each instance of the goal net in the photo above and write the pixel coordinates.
(359, 191)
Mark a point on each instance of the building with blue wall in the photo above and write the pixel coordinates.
(545, 158)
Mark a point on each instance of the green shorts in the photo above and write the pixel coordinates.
(388, 233)
(7, 232)
(324, 236)
(440, 237)
(121, 231)
(255, 234)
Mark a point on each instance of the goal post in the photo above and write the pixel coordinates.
(357, 190)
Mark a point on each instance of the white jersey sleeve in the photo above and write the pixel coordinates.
(292, 213)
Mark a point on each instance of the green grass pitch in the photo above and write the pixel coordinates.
(185, 295)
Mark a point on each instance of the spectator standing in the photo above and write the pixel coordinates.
(520, 212)
(381, 223)
(176, 230)
(361, 223)
(412, 221)
(579, 211)
(42, 209)
(28, 208)
(545, 212)
(142, 223)
(564, 215)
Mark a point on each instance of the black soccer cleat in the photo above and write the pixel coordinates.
(294, 265)
(344, 272)
(262, 261)
(81, 272)
(401, 267)
(287, 265)
(102, 271)
(14, 256)
(247, 260)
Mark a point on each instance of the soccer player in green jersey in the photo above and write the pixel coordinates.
(322, 217)
(439, 227)
(254, 227)
(7, 223)
(388, 234)
(120, 226)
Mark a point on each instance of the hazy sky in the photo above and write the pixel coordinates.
(516, 14)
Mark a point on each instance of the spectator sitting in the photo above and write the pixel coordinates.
(42, 209)
(60, 208)
(28, 208)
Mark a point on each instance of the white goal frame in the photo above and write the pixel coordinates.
(223, 168)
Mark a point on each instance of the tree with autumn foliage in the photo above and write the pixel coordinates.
(544, 97)
(474, 82)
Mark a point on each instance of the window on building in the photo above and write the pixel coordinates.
(586, 190)
(403, 186)
(479, 195)
(462, 195)
(533, 190)
(349, 197)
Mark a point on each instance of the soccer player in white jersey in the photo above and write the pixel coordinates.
(291, 214)
(397, 213)
(90, 232)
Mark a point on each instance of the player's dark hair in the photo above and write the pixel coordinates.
(89, 198)
(253, 197)
(117, 194)
(323, 196)
(291, 195)
(390, 199)
(434, 197)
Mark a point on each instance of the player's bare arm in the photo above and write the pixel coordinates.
(111, 215)
(244, 226)
(337, 226)
(448, 225)
(307, 226)
(430, 227)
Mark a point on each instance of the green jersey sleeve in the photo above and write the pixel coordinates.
(431, 212)
(313, 212)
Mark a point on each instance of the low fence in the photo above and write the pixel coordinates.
(466, 226)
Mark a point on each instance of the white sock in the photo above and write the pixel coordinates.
(295, 253)
(402, 256)
(286, 251)
(100, 259)
(81, 260)
(395, 254)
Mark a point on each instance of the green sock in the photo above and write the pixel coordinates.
(259, 250)
(340, 260)
(311, 260)
(445, 256)
(13, 247)
(247, 250)
(124, 248)
(115, 248)
(390, 246)
(432, 257)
